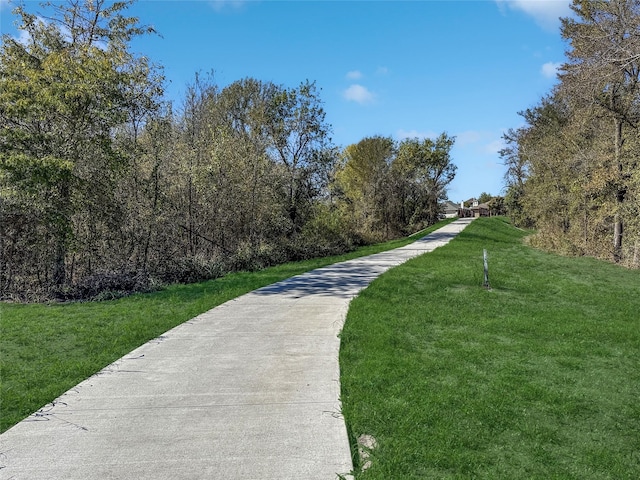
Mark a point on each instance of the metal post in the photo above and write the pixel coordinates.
(486, 269)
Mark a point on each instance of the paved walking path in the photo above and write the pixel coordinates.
(247, 390)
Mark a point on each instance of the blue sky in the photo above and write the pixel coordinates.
(393, 68)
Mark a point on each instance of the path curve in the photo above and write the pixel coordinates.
(247, 390)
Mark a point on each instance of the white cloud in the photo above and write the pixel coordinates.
(494, 147)
(545, 12)
(359, 94)
(354, 75)
(480, 142)
(403, 134)
(468, 137)
(382, 71)
(550, 69)
(219, 5)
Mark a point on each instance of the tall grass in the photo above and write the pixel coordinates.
(537, 378)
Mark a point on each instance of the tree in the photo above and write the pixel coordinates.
(364, 182)
(196, 137)
(295, 124)
(497, 206)
(63, 95)
(603, 73)
(516, 160)
(428, 165)
(148, 233)
(550, 155)
(484, 197)
(251, 168)
(242, 139)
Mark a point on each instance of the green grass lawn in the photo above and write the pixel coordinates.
(538, 378)
(47, 349)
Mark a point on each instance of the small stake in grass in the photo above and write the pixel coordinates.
(486, 270)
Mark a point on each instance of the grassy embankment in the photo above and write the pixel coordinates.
(538, 378)
(47, 349)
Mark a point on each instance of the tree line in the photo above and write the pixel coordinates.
(106, 187)
(572, 169)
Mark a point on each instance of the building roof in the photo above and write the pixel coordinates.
(449, 205)
(481, 205)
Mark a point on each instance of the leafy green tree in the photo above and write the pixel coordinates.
(296, 126)
(602, 77)
(514, 156)
(429, 166)
(572, 169)
(548, 189)
(251, 167)
(484, 197)
(497, 206)
(242, 139)
(64, 93)
(195, 142)
(364, 183)
(565, 193)
(515, 207)
(149, 235)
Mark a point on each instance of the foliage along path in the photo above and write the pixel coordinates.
(249, 389)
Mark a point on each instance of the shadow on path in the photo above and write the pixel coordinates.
(346, 279)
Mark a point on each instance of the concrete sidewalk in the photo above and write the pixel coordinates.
(247, 390)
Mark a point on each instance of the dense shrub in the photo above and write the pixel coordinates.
(105, 286)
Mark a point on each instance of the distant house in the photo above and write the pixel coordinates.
(480, 209)
(464, 212)
(451, 210)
